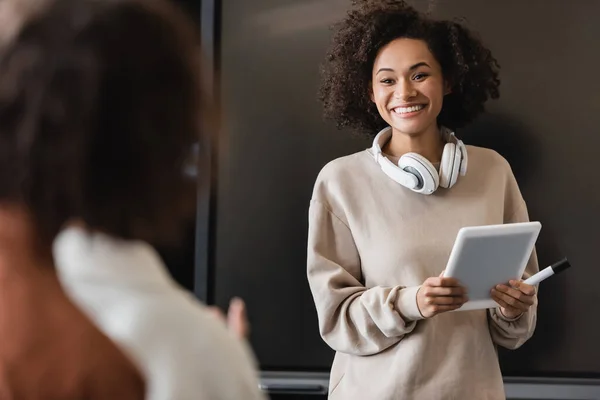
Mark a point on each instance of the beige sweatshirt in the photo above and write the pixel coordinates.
(371, 244)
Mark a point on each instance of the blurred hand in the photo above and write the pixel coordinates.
(439, 294)
(236, 319)
(515, 299)
(50, 349)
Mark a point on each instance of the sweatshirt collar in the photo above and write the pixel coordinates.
(81, 254)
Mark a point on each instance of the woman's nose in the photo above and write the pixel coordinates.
(404, 90)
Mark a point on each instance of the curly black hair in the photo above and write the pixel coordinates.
(467, 65)
(100, 106)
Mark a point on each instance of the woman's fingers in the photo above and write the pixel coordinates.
(501, 302)
(515, 294)
(445, 300)
(524, 288)
(237, 318)
(444, 291)
(507, 301)
(441, 282)
(439, 294)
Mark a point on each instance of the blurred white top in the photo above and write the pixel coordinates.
(183, 351)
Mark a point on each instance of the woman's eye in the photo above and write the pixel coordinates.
(419, 77)
(387, 81)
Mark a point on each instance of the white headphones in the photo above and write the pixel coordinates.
(416, 172)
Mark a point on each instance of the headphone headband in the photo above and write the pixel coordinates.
(381, 138)
(390, 169)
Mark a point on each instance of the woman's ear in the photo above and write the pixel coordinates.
(447, 88)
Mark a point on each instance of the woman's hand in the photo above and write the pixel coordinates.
(514, 300)
(236, 319)
(439, 294)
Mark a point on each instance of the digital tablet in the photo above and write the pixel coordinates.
(488, 255)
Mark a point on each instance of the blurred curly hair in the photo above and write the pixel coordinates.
(467, 65)
(100, 105)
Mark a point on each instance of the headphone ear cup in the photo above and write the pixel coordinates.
(446, 165)
(423, 170)
(456, 167)
(464, 158)
(450, 165)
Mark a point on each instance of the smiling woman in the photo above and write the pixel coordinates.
(377, 245)
(467, 66)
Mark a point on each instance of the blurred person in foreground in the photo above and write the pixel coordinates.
(100, 103)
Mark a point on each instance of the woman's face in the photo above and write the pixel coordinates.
(407, 86)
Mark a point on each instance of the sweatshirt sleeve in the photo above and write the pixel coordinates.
(352, 318)
(513, 333)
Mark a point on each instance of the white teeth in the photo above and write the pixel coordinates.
(404, 110)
